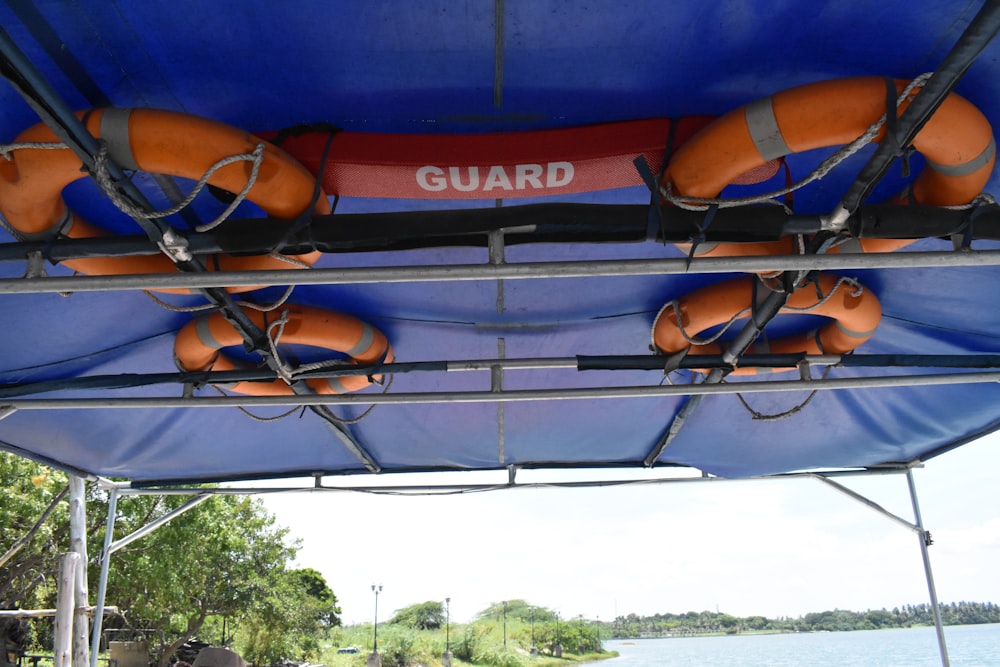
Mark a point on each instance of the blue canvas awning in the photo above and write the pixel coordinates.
(506, 315)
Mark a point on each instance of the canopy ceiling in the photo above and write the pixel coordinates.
(437, 69)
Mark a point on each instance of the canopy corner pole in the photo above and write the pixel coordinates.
(917, 526)
(111, 546)
(925, 542)
(102, 584)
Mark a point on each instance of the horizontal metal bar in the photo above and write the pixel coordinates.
(789, 360)
(512, 395)
(131, 380)
(645, 362)
(89, 610)
(125, 489)
(580, 362)
(525, 270)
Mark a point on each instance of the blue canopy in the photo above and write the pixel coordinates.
(520, 312)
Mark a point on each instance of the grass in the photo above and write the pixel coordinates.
(425, 648)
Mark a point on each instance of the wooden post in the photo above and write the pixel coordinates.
(78, 544)
(62, 643)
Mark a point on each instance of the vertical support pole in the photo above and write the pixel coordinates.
(496, 385)
(498, 257)
(102, 584)
(925, 541)
(78, 544)
(62, 640)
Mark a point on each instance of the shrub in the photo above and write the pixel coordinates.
(498, 656)
(467, 644)
(397, 648)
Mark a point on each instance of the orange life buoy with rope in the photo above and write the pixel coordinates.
(854, 311)
(957, 143)
(156, 141)
(199, 343)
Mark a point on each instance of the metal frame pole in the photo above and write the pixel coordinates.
(925, 541)
(512, 395)
(516, 271)
(153, 525)
(102, 585)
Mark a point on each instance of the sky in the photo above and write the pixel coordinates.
(774, 548)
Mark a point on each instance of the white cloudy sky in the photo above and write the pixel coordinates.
(774, 548)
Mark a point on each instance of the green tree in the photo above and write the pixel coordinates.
(729, 624)
(519, 609)
(422, 616)
(33, 532)
(321, 601)
(224, 558)
(289, 622)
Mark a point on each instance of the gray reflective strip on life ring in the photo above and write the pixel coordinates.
(337, 385)
(365, 342)
(855, 334)
(966, 168)
(764, 130)
(204, 331)
(114, 131)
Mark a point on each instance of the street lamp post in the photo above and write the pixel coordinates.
(534, 649)
(446, 661)
(376, 589)
(505, 624)
(558, 649)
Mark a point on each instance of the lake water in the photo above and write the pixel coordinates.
(968, 645)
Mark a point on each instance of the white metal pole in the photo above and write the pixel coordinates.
(516, 271)
(511, 395)
(102, 584)
(925, 541)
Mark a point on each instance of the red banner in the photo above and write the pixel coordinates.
(488, 166)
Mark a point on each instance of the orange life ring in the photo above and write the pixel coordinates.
(957, 142)
(198, 344)
(855, 313)
(156, 141)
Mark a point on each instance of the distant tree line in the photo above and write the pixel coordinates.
(707, 622)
